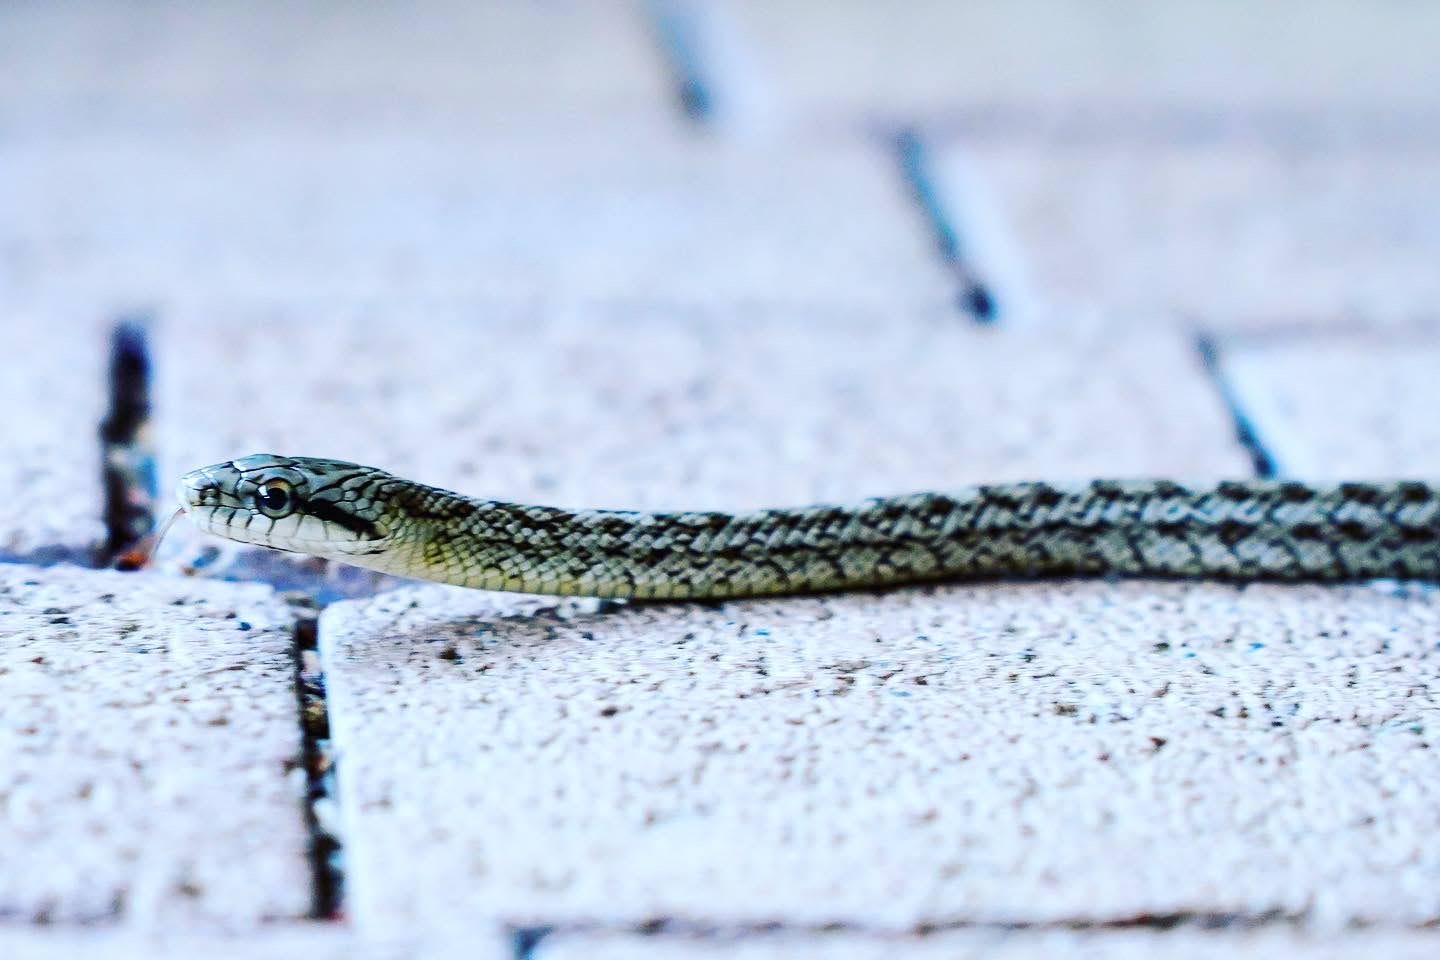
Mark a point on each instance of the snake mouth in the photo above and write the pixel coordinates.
(198, 489)
(203, 498)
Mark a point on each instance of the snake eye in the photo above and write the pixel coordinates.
(275, 499)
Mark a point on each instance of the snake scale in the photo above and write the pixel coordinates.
(1242, 530)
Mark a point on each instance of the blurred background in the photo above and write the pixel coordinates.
(1260, 159)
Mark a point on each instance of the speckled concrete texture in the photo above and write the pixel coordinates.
(482, 245)
(1234, 233)
(999, 60)
(654, 407)
(1182, 944)
(312, 941)
(1342, 406)
(148, 752)
(51, 401)
(91, 68)
(289, 214)
(1045, 753)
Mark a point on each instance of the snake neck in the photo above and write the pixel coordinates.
(1234, 530)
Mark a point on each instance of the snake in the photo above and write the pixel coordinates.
(1238, 530)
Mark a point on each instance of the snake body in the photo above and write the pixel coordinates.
(1242, 530)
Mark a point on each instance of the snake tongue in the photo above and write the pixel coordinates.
(138, 557)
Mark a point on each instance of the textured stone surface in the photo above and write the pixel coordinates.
(291, 215)
(1342, 406)
(1227, 233)
(51, 402)
(467, 150)
(277, 942)
(495, 66)
(475, 243)
(148, 747)
(858, 59)
(1181, 944)
(661, 407)
(1042, 753)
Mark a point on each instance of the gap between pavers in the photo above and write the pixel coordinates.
(1342, 406)
(151, 773)
(1179, 944)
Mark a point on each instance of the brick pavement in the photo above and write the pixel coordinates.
(486, 246)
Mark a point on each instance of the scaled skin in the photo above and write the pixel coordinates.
(1233, 530)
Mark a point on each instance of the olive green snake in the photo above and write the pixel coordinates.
(1251, 529)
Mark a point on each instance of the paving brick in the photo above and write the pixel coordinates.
(1342, 406)
(295, 216)
(1218, 234)
(655, 406)
(149, 741)
(276, 942)
(1182, 944)
(76, 67)
(51, 401)
(1046, 753)
(859, 59)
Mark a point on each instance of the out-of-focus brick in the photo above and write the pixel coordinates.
(312, 941)
(1139, 944)
(82, 67)
(1219, 234)
(855, 60)
(1010, 754)
(149, 752)
(293, 217)
(52, 397)
(1342, 407)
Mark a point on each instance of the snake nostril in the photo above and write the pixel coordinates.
(195, 489)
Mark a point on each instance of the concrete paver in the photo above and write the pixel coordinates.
(657, 406)
(52, 397)
(150, 748)
(473, 244)
(292, 216)
(857, 59)
(313, 941)
(1180, 944)
(86, 67)
(1003, 753)
(1221, 234)
(1342, 406)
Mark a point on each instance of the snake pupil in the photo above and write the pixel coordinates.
(273, 498)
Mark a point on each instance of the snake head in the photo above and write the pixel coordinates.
(328, 508)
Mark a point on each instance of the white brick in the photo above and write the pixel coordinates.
(151, 752)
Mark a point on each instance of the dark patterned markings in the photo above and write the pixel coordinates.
(1232, 529)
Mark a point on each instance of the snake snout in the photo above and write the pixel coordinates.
(197, 489)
